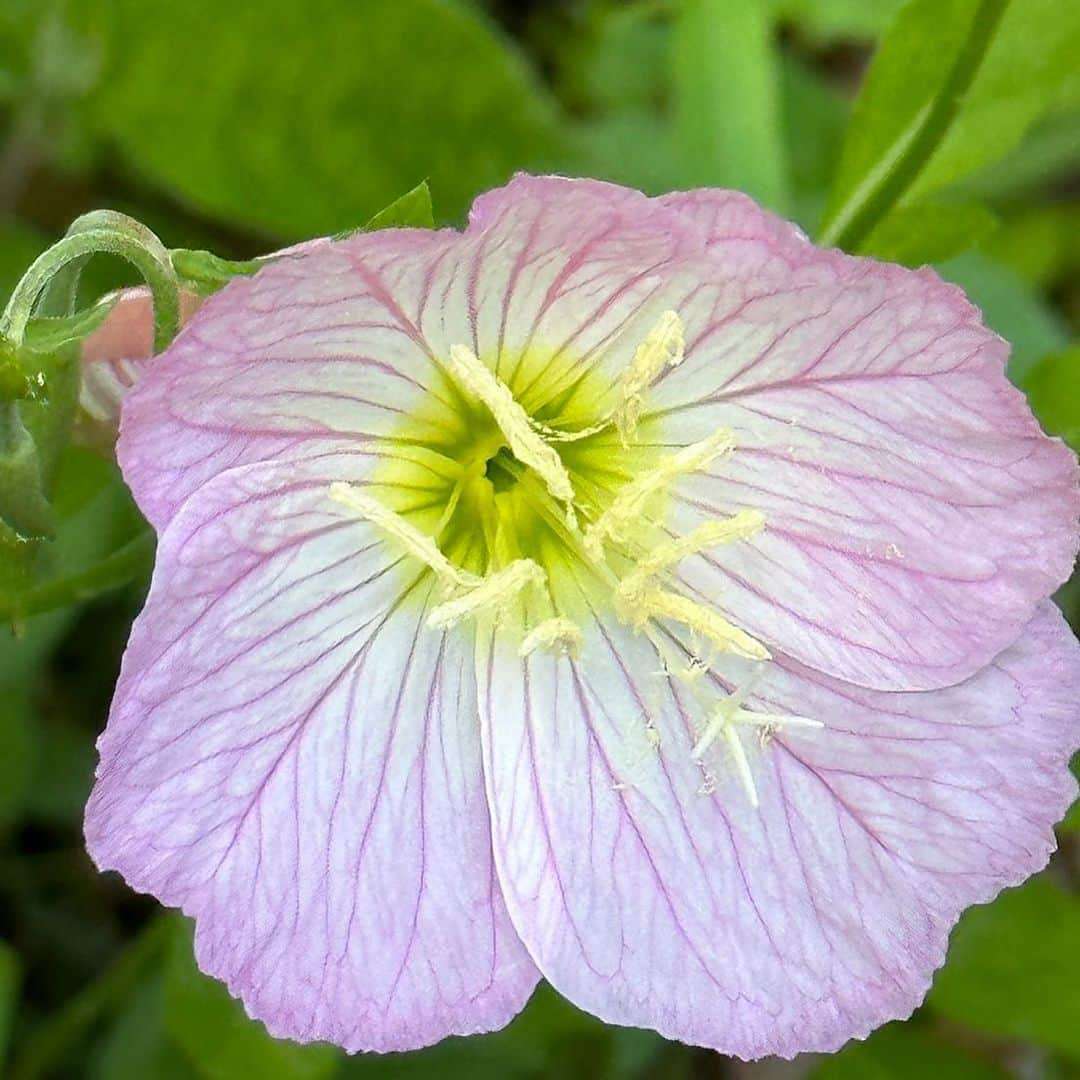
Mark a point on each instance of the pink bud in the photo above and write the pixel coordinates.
(115, 355)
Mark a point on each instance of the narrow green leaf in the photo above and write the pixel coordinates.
(927, 232)
(1053, 390)
(1024, 76)
(953, 88)
(914, 90)
(903, 1051)
(726, 85)
(1012, 968)
(413, 210)
(216, 1036)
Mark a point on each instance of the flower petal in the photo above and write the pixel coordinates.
(915, 512)
(795, 926)
(738, 233)
(293, 758)
(114, 356)
(314, 354)
(324, 350)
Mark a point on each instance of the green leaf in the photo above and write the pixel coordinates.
(217, 1037)
(137, 1046)
(24, 506)
(927, 232)
(205, 273)
(1039, 242)
(1053, 390)
(726, 84)
(1010, 308)
(9, 996)
(413, 210)
(838, 20)
(1024, 77)
(1049, 154)
(902, 1051)
(299, 118)
(946, 96)
(49, 335)
(1012, 967)
(915, 91)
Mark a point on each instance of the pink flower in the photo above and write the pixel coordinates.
(623, 591)
(114, 356)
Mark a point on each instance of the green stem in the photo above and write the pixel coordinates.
(872, 200)
(124, 565)
(107, 232)
(57, 1036)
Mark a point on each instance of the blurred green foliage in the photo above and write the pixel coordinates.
(239, 126)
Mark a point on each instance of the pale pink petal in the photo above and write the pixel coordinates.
(115, 355)
(739, 234)
(312, 355)
(293, 758)
(576, 270)
(915, 511)
(652, 898)
(324, 350)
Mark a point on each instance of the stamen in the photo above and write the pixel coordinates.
(662, 347)
(729, 715)
(742, 766)
(558, 635)
(416, 543)
(492, 593)
(525, 443)
(557, 435)
(637, 601)
(619, 520)
(742, 526)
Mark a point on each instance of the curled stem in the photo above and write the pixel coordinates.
(105, 232)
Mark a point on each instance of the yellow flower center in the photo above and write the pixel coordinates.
(520, 485)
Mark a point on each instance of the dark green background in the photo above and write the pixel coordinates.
(239, 125)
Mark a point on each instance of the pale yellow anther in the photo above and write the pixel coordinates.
(558, 636)
(417, 544)
(551, 434)
(742, 526)
(525, 442)
(488, 594)
(662, 347)
(637, 600)
(623, 517)
(724, 724)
